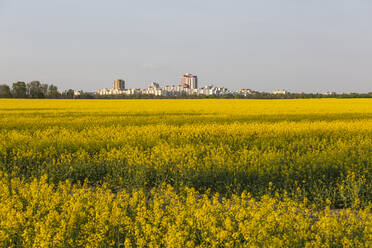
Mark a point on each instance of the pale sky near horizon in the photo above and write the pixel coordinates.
(309, 46)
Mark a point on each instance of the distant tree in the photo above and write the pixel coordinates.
(44, 89)
(91, 96)
(19, 90)
(53, 91)
(69, 93)
(35, 90)
(5, 91)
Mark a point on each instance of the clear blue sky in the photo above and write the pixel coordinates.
(310, 46)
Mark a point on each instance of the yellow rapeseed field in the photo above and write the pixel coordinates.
(186, 173)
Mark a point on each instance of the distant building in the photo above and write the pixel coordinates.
(328, 93)
(245, 92)
(189, 81)
(78, 92)
(154, 89)
(278, 92)
(154, 85)
(119, 84)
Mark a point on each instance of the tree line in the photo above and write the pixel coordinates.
(35, 89)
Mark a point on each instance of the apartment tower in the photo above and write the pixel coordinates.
(189, 81)
(119, 84)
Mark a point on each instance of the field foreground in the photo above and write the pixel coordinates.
(175, 173)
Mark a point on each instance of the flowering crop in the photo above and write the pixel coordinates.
(38, 214)
(208, 173)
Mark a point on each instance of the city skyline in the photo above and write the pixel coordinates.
(119, 86)
(187, 86)
(315, 46)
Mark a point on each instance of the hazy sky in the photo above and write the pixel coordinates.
(310, 46)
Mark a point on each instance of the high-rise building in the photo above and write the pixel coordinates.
(119, 84)
(189, 81)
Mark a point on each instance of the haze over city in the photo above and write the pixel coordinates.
(310, 46)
